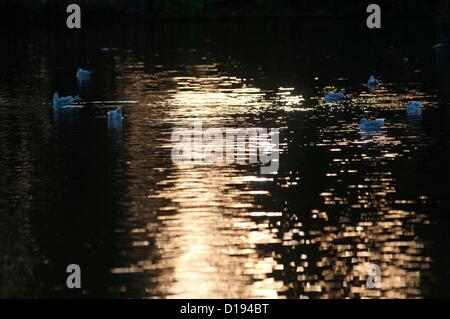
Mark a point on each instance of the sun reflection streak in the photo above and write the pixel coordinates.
(211, 234)
(215, 238)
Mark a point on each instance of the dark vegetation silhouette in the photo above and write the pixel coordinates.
(26, 10)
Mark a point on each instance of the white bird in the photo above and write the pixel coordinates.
(115, 114)
(441, 46)
(373, 83)
(414, 108)
(370, 125)
(64, 100)
(83, 74)
(331, 97)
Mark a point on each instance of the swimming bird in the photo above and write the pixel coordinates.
(413, 108)
(115, 114)
(373, 83)
(64, 100)
(370, 125)
(331, 97)
(83, 74)
(441, 46)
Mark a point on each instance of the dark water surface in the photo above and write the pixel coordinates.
(109, 198)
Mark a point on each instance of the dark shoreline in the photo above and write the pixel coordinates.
(92, 20)
(53, 11)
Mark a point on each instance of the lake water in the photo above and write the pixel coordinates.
(110, 199)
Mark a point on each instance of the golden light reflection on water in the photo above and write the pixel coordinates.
(369, 231)
(211, 239)
(342, 201)
(214, 236)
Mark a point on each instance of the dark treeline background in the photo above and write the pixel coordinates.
(29, 10)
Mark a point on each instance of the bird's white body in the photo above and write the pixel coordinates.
(441, 46)
(115, 114)
(370, 125)
(64, 100)
(373, 83)
(413, 108)
(83, 74)
(331, 97)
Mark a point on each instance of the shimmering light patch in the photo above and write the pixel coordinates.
(342, 200)
(208, 231)
(214, 236)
